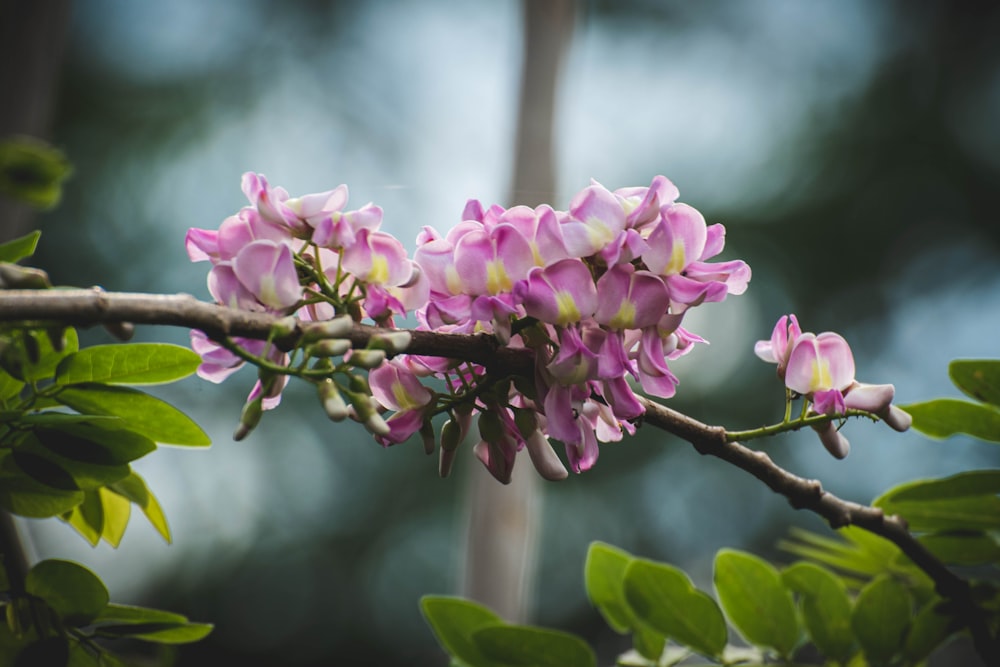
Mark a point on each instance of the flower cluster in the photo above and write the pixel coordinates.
(821, 368)
(597, 294)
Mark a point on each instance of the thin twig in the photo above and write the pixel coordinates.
(90, 307)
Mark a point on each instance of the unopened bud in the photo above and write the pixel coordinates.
(329, 347)
(427, 436)
(527, 422)
(367, 359)
(391, 341)
(490, 427)
(122, 331)
(338, 327)
(359, 383)
(366, 412)
(451, 435)
(14, 276)
(445, 462)
(249, 418)
(333, 401)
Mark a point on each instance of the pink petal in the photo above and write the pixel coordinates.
(266, 269)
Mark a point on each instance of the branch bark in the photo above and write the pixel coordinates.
(93, 307)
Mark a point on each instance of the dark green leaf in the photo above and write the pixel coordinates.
(104, 443)
(32, 171)
(665, 599)
(136, 363)
(84, 475)
(134, 489)
(44, 470)
(144, 414)
(972, 483)
(929, 629)
(41, 364)
(454, 621)
(10, 387)
(88, 517)
(755, 601)
(944, 417)
(161, 633)
(534, 647)
(20, 248)
(881, 618)
(978, 378)
(22, 495)
(826, 608)
(73, 591)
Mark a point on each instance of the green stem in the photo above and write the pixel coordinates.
(785, 426)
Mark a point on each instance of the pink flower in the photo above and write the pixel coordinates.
(560, 294)
(396, 387)
(778, 349)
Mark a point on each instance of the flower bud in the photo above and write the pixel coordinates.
(249, 418)
(329, 347)
(333, 401)
(366, 412)
(284, 327)
(490, 427)
(831, 438)
(391, 341)
(122, 331)
(544, 458)
(451, 435)
(359, 383)
(367, 359)
(445, 462)
(527, 422)
(14, 276)
(427, 436)
(338, 327)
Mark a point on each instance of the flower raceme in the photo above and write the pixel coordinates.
(821, 368)
(597, 293)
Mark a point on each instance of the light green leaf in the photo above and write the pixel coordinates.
(87, 517)
(136, 363)
(161, 633)
(10, 387)
(144, 414)
(123, 613)
(972, 483)
(537, 647)
(134, 489)
(20, 248)
(664, 598)
(755, 601)
(944, 417)
(117, 510)
(837, 553)
(71, 590)
(454, 621)
(826, 608)
(881, 618)
(604, 576)
(971, 548)
(978, 378)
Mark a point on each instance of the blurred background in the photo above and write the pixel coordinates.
(851, 148)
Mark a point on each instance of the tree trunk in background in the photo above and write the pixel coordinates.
(32, 37)
(504, 520)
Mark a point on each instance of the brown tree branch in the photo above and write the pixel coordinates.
(90, 307)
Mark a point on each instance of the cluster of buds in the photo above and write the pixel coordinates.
(820, 368)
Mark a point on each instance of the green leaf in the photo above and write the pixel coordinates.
(87, 517)
(826, 608)
(123, 613)
(604, 576)
(134, 489)
(881, 618)
(837, 553)
(44, 470)
(454, 621)
(41, 364)
(161, 633)
(930, 627)
(971, 548)
(20, 248)
(972, 483)
(664, 598)
(71, 590)
(978, 378)
(22, 495)
(103, 443)
(32, 171)
(534, 647)
(966, 513)
(755, 601)
(944, 417)
(144, 414)
(116, 515)
(82, 474)
(9, 386)
(136, 363)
